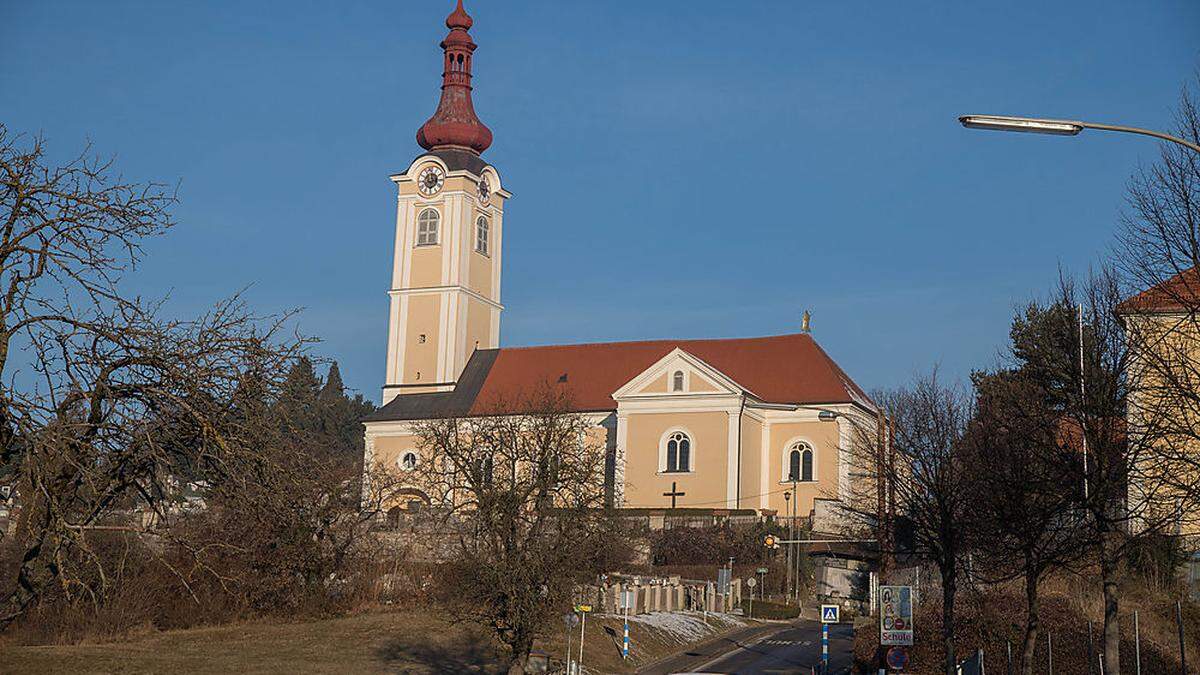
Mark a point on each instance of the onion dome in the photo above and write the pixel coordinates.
(454, 124)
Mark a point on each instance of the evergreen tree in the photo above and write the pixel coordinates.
(334, 389)
(319, 418)
(298, 398)
(341, 417)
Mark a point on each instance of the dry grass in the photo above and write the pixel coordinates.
(402, 641)
(989, 617)
(364, 643)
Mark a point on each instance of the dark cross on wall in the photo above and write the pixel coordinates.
(673, 493)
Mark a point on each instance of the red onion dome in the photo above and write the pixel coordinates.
(455, 124)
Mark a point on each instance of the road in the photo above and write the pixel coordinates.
(794, 648)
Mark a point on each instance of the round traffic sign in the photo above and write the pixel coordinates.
(897, 657)
(752, 582)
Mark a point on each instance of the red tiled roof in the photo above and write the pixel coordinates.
(1069, 433)
(777, 369)
(1179, 293)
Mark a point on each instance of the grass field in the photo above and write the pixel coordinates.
(406, 642)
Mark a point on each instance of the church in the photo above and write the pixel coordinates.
(752, 426)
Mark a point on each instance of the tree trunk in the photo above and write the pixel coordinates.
(1032, 622)
(520, 648)
(949, 589)
(1112, 622)
(517, 666)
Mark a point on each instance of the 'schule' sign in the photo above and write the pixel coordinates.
(895, 615)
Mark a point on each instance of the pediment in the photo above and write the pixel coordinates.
(699, 379)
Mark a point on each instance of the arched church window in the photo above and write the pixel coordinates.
(481, 235)
(679, 453)
(427, 227)
(408, 461)
(677, 381)
(800, 463)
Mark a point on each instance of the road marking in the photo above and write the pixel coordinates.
(737, 648)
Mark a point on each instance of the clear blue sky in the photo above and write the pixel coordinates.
(680, 168)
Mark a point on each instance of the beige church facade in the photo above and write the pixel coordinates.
(734, 424)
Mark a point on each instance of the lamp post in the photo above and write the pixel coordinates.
(787, 501)
(796, 551)
(884, 488)
(1038, 125)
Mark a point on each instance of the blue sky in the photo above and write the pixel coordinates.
(680, 168)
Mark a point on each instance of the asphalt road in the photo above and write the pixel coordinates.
(792, 649)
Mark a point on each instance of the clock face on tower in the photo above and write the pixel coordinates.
(431, 180)
(485, 191)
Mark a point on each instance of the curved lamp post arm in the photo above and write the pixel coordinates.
(1039, 125)
(1145, 132)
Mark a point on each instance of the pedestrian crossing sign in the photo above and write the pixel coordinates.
(829, 613)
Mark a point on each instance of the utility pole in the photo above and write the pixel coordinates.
(1083, 403)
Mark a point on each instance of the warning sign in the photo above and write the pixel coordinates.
(895, 615)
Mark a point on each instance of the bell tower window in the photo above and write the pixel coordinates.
(481, 235)
(427, 227)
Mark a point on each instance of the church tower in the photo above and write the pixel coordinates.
(445, 294)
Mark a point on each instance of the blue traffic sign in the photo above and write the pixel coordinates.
(829, 613)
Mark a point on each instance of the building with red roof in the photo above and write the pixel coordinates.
(727, 424)
(1162, 324)
(1179, 293)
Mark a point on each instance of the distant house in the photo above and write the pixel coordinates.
(1164, 321)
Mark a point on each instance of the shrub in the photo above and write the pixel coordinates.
(766, 609)
(711, 545)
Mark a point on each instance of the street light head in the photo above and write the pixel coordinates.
(1023, 124)
(827, 416)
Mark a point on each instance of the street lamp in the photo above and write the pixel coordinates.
(1037, 125)
(787, 499)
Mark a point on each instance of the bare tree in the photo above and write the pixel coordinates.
(1160, 251)
(928, 478)
(112, 404)
(526, 487)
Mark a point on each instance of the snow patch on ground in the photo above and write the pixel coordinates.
(688, 626)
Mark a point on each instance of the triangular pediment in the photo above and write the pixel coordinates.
(660, 380)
